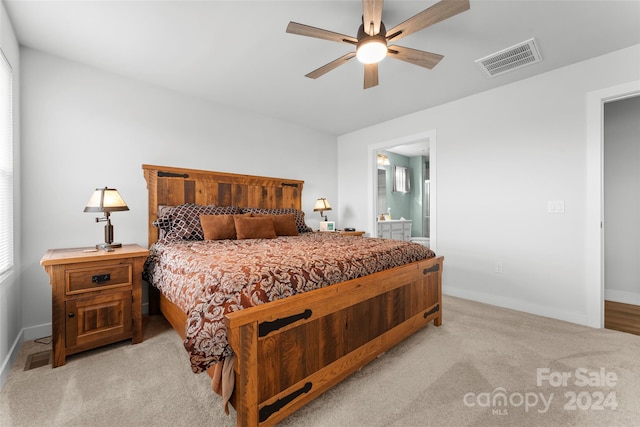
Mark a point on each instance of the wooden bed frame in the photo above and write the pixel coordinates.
(290, 351)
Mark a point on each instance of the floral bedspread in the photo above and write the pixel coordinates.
(209, 278)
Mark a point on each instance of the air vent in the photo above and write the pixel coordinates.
(509, 59)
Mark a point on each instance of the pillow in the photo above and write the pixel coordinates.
(163, 222)
(284, 225)
(184, 220)
(299, 215)
(218, 227)
(254, 227)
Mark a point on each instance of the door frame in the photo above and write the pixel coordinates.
(594, 237)
(429, 135)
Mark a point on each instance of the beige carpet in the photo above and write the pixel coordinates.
(485, 366)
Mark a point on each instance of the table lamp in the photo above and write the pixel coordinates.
(322, 205)
(106, 200)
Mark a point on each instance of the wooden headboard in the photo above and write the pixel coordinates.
(172, 186)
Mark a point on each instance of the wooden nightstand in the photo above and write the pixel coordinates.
(96, 297)
(350, 233)
(345, 233)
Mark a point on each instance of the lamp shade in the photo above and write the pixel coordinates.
(106, 200)
(321, 205)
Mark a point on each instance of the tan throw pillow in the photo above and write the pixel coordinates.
(254, 227)
(302, 226)
(218, 227)
(284, 225)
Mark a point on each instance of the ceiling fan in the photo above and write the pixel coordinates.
(372, 39)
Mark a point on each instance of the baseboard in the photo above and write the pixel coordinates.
(624, 297)
(38, 331)
(519, 305)
(7, 363)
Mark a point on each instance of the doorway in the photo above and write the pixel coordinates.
(408, 163)
(621, 203)
(594, 231)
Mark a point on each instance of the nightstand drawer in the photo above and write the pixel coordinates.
(100, 276)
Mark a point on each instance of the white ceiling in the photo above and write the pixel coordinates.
(237, 53)
(418, 148)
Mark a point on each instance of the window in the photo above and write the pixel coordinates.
(6, 165)
(401, 181)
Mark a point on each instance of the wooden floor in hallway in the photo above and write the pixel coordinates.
(622, 317)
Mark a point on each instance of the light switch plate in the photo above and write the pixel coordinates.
(555, 206)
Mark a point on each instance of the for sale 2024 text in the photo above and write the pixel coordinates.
(597, 400)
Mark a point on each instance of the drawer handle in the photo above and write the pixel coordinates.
(100, 278)
(72, 315)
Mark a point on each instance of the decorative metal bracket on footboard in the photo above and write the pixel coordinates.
(432, 269)
(269, 410)
(265, 328)
(432, 311)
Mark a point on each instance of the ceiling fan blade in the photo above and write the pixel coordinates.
(372, 16)
(414, 56)
(306, 30)
(330, 66)
(370, 75)
(436, 13)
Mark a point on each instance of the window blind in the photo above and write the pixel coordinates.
(6, 165)
(401, 182)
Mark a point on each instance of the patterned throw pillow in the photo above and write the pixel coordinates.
(184, 220)
(302, 226)
(163, 222)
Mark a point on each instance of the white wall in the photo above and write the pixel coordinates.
(10, 315)
(84, 128)
(622, 200)
(501, 156)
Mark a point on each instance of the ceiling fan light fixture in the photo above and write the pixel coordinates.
(371, 50)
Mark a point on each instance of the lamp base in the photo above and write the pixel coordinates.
(108, 245)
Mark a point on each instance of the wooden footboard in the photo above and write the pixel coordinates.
(290, 351)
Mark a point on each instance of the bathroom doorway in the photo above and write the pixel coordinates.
(404, 185)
